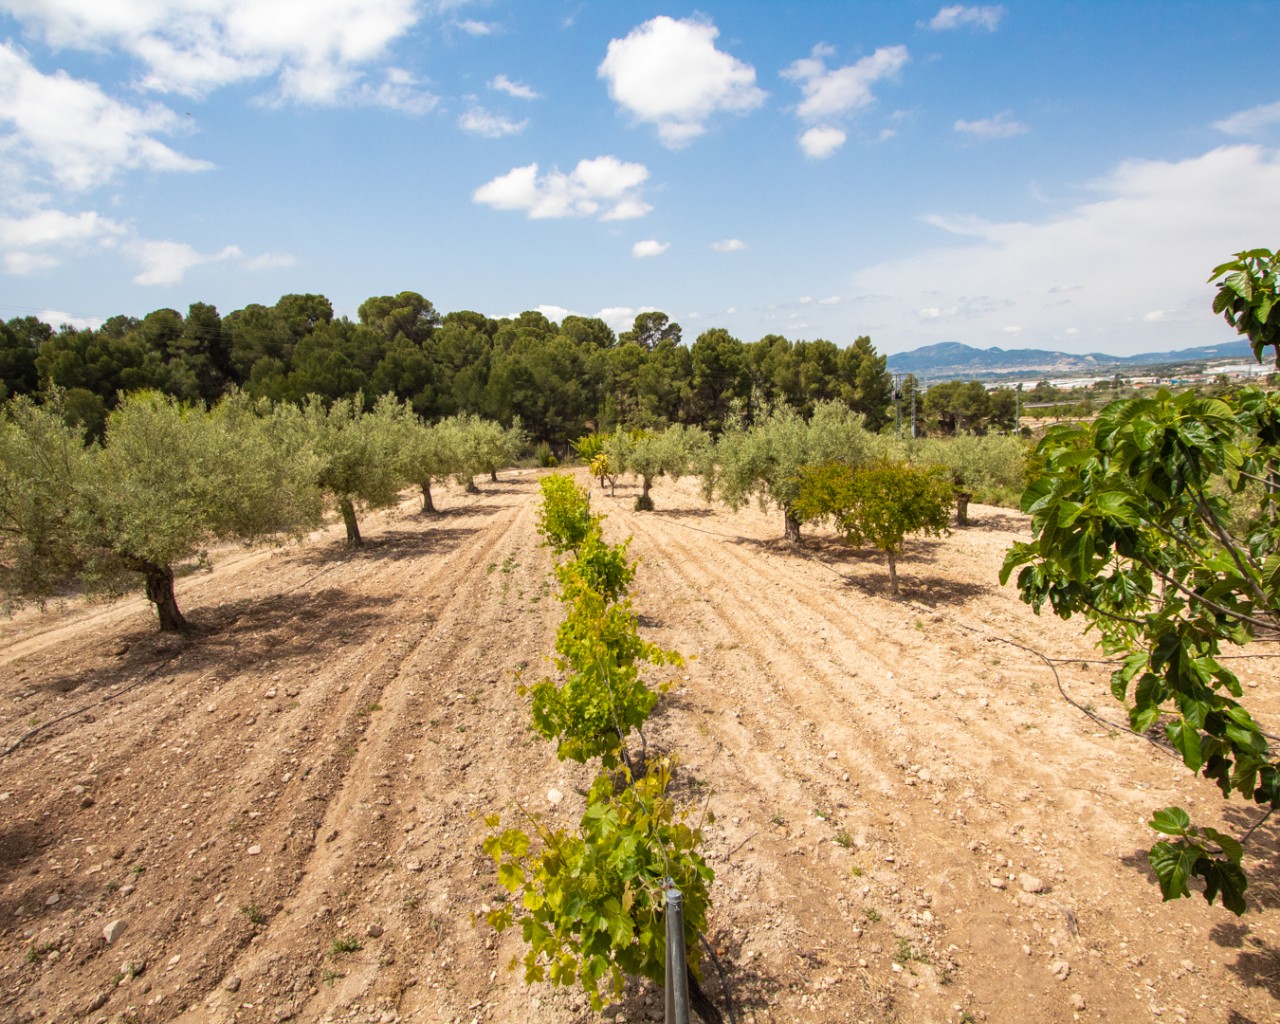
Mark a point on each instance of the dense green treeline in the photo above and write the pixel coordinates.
(560, 380)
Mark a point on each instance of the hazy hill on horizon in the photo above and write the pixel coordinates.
(951, 359)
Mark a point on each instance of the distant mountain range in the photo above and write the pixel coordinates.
(949, 360)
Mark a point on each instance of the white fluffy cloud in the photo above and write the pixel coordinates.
(476, 28)
(649, 247)
(820, 143)
(81, 135)
(37, 239)
(834, 92)
(54, 227)
(729, 245)
(318, 50)
(56, 318)
(605, 187)
(164, 262)
(517, 89)
(1002, 126)
(485, 123)
(959, 16)
(168, 262)
(668, 72)
(1251, 122)
(22, 263)
(1144, 240)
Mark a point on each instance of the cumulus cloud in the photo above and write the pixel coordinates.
(56, 318)
(318, 51)
(517, 89)
(1144, 239)
(820, 143)
(1252, 122)
(165, 262)
(831, 94)
(21, 263)
(605, 187)
(958, 16)
(36, 240)
(479, 121)
(399, 90)
(668, 73)
(1002, 126)
(81, 135)
(476, 28)
(729, 245)
(55, 227)
(620, 318)
(649, 247)
(834, 92)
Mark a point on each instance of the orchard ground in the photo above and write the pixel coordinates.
(280, 812)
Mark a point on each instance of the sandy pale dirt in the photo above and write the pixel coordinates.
(277, 816)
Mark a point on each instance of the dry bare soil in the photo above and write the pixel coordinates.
(279, 812)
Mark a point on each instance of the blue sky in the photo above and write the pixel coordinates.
(1052, 175)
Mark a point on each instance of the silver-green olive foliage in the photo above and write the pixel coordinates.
(764, 460)
(357, 451)
(168, 481)
(1157, 524)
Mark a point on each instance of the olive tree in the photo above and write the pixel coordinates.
(649, 454)
(357, 453)
(44, 463)
(426, 453)
(764, 460)
(484, 446)
(990, 468)
(168, 480)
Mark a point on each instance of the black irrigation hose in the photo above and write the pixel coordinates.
(1062, 690)
(1051, 662)
(724, 981)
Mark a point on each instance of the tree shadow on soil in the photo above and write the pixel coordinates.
(391, 545)
(683, 513)
(480, 508)
(995, 519)
(1257, 965)
(236, 636)
(22, 888)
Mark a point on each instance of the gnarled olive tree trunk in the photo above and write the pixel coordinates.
(644, 503)
(348, 509)
(791, 532)
(160, 593)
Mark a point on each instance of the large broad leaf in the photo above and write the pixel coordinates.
(1173, 864)
(1172, 821)
(1223, 879)
(1186, 738)
(1117, 506)
(1230, 845)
